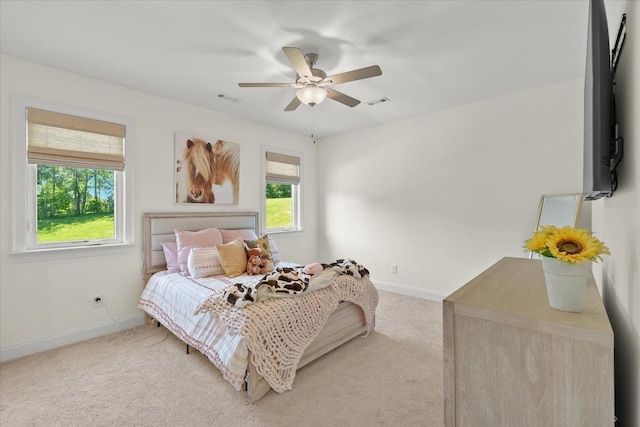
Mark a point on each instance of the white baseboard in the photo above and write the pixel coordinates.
(409, 291)
(20, 350)
(37, 346)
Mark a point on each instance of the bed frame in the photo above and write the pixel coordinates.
(346, 323)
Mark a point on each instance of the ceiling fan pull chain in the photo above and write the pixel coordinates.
(313, 125)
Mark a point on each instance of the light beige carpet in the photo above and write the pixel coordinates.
(143, 377)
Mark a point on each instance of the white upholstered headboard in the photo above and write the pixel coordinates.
(159, 227)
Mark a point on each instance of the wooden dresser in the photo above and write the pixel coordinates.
(511, 360)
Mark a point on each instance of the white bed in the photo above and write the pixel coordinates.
(172, 299)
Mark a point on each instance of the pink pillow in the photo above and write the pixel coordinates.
(187, 240)
(170, 250)
(231, 235)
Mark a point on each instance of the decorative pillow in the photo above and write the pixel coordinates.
(244, 234)
(275, 253)
(262, 243)
(233, 257)
(170, 250)
(204, 262)
(186, 240)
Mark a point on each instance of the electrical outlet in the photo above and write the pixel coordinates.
(394, 268)
(96, 301)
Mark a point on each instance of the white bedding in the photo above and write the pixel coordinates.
(173, 299)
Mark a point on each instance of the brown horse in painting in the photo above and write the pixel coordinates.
(226, 165)
(198, 155)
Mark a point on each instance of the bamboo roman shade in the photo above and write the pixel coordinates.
(282, 168)
(72, 141)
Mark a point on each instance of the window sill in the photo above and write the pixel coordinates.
(284, 233)
(37, 255)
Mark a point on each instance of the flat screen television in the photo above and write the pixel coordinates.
(602, 147)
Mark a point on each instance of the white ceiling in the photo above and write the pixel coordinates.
(433, 54)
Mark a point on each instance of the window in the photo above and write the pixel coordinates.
(70, 188)
(282, 190)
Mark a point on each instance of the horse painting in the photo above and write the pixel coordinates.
(196, 183)
(226, 166)
(206, 172)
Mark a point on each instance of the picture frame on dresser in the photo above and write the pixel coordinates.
(559, 210)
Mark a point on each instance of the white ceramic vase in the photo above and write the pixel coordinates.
(566, 283)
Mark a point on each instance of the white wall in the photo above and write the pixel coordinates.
(44, 304)
(446, 195)
(616, 220)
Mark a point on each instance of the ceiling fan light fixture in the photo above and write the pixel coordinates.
(311, 82)
(312, 95)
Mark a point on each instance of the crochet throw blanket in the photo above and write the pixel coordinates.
(291, 281)
(278, 330)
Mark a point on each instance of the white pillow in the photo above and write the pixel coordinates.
(204, 262)
(275, 253)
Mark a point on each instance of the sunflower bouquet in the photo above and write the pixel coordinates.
(571, 245)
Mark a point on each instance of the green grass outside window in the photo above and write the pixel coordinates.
(279, 213)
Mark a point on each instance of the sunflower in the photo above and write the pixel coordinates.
(567, 244)
(537, 243)
(575, 245)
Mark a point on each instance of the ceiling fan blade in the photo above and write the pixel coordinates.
(268, 85)
(295, 102)
(297, 60)
(349, 76)
(341, 97)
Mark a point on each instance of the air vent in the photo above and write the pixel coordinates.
(228, 98)
(378, 101)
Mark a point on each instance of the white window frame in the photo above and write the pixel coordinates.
(296, 192)
(24, 209)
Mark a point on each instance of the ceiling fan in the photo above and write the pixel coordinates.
(313, 84)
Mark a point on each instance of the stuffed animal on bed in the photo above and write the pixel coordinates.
(258, 263)
(266, 264)
(313, 268)
(255, 259)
